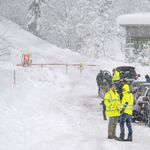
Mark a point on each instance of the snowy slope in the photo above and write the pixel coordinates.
(48, 109)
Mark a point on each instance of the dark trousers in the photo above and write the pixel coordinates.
(104, 108)
(125, 118)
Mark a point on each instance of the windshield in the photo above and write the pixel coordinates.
(143, 92)
(128, 73)
(148, 93)
(142, 88)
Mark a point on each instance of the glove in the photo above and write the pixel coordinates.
(119, 108)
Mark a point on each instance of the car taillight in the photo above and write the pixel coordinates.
(145, 100)
(137, 77)
(133, 92)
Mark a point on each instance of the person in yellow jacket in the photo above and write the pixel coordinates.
(112, 102)
(126, 106)
(116, 76)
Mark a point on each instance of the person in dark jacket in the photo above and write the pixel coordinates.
(99, 80)
(108, 79)
(105, 89)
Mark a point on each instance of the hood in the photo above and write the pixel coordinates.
(126, 87)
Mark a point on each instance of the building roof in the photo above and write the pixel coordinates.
(134, 19)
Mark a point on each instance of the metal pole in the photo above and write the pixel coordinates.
(14, 77)
(66, 68)
(80, 69)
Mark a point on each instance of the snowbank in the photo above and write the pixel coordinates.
(134, 19)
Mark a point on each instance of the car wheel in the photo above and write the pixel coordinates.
(134, 116)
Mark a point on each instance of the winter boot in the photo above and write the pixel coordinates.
(116, 138)
(121, 139)
(105, 117)
(110, 137)
(128, 139)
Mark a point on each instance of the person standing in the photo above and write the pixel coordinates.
(116, 76)
(99, 80)
(125, 117)
(112, 102)
(105, 89)
(147, 78)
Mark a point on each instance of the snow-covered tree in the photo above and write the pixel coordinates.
(60, 19)
(95, 28)
(34, 16)
(14, 10)
(4, 45)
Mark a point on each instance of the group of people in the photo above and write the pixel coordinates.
(117, 105)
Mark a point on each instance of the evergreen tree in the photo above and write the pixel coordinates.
(34, 16)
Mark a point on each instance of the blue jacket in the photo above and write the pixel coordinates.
(148, 81)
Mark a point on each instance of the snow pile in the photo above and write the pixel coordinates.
(134, 19)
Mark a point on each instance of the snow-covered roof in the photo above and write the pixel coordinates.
(134, 19)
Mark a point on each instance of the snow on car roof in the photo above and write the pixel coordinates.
(144, 84)
(139, 81)
(134, 19)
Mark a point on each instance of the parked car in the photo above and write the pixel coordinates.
(128, 72)
(141, 90)
(134, 86)
(141, 110)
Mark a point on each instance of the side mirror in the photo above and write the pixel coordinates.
(139, 75)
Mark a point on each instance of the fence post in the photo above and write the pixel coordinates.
(66, 68)
(80, 69)
(14, 77)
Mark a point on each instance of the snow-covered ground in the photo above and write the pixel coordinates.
(48, 109)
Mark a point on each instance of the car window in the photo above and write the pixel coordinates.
(105, 72)
(143, 92)
(148, 93)
(127, 72)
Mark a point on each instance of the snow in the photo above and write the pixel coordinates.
(48, 109)
(134, 19)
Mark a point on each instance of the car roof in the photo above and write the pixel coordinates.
(125, 67)
(138, 81)
(144, 84)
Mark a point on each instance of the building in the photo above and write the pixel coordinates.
(137, 28)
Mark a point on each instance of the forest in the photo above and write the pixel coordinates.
(84, 26)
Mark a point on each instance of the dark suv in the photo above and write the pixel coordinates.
(128, 72)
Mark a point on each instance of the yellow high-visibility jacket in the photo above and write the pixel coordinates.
(112, 102)
(116, 77)
(127, 97)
